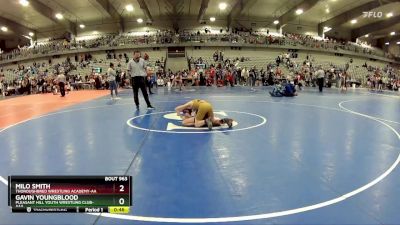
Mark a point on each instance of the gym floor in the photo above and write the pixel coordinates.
(327, 158)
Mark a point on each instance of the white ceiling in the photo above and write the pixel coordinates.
(23, 15)
(362, 21)
(319, 12)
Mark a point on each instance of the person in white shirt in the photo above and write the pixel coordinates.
(320, 74)
(245, 75)
(160, 82)
(111, 77)
(61, 83)
(137, 71)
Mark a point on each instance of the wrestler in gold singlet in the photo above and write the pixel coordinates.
(204, 115)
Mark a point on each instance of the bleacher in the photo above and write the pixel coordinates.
(99, 61)
(127, 40)
(254, 56)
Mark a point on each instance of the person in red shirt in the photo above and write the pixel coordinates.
(229, 78)
(212, 75)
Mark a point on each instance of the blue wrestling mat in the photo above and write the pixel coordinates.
(316, 158)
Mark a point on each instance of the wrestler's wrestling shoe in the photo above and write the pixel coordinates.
(209, 124)
(227, 121)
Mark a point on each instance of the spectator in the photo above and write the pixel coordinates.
(160, 82)
(111, 76)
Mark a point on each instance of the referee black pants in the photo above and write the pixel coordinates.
(139, 82)
(62, 88)
(320, 84)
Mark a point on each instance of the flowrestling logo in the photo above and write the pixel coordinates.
(372, 14)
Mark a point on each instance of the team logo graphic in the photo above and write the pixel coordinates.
(28, 209)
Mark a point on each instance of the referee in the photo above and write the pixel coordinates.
(137, 71)
(320, 78)
(61, 79)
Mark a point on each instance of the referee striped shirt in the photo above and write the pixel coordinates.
(137, 69)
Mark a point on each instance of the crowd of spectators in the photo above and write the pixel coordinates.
(166, 37)
(219, 71)
(223, 71)
(34, 78)
(379, 79)
(42, 77)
